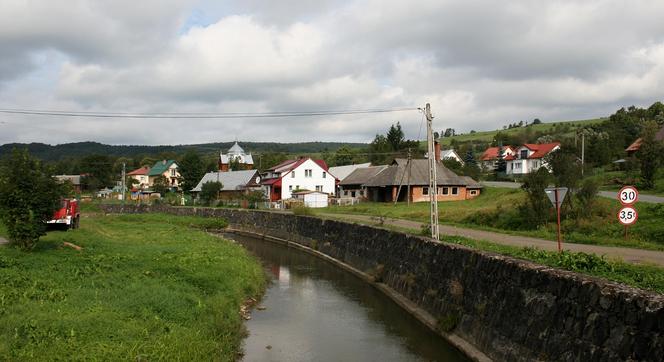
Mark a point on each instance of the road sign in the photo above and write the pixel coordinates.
(556, 201)
(628, 195)
(627, 215)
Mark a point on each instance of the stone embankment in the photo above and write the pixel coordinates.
(507, 308)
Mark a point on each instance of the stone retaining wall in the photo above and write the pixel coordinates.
(509, 309)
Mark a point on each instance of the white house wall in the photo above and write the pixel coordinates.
(289, 184)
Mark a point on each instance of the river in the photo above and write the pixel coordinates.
(315, 311)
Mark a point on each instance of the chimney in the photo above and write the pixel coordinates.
(436, 146)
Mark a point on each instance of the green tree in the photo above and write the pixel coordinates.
(28, 197)
(649, 154)
(566, 168)
(380, 150)
(453, 165)
(98, 170)
(395, 137)
(537, 204)
(192, 168)
(470, 167)
(343, 156)
(501, 165)
(161, 185)
(210, 192)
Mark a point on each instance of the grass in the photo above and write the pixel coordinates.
(602, 229)
(144, 287)
(488, 136)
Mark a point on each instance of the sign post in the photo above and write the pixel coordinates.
(628, 215)
(557, 195)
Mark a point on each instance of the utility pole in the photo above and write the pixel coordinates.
(409, 165)
(583, 151)
(124, 171)
(433, 184)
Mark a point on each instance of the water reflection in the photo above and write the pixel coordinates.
(318, 312)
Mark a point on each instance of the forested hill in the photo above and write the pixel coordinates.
(79, 149)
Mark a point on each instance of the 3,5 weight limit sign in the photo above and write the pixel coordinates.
(628, 215)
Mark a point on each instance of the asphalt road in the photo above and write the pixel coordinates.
(635, 256)
(608, 194)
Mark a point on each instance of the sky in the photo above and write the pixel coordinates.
(480, 64)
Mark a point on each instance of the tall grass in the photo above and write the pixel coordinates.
(144, 287)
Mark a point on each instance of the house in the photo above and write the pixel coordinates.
(384, 186)
(237, 156)
(352, 186)
(450, 154)
(312, 198)
(341, 172)
(636, 145)
(141, 176)
(489, 159)
(75, 181)
(529, 158)
(304, 173)
(235, 183)
(168, 169)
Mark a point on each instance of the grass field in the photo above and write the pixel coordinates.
(144, 287)
(602, 229)
(487, 136)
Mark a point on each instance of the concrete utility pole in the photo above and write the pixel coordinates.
(124, 176)
(583, 151)
(409, 165)
(433, 184)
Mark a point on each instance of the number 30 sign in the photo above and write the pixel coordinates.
(627, 196)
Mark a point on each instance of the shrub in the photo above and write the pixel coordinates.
(210, 192)
(302, 210)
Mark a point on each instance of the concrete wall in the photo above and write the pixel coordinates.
(507, 308)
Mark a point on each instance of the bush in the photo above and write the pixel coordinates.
(302, 210)
(210, 192)
(28, 198)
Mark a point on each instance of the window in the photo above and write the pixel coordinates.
(352, 194)
(172, 172)
(319, 188)
(455, 190)
(290, 188)
(307, 173)
(524, 154)
(425, 191)
(446, 191)
(324, 174)
(292, 174)
(473, 192)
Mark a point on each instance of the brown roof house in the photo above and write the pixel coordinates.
(636, 145)
(384, 186)
(352, 186)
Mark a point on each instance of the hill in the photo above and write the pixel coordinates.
(488, 136)
(75, 150)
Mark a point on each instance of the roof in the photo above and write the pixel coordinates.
(341, 172)
(160, 167)
(231, 180)
(236, 153)
(74, 179)
(236, 149)
(448, 154)
(293, 164)
(636, 145)
(145, 170)
(491, 153)
(395, 174)
(362, 175)
(539, 150)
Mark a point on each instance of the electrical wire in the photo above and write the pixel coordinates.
(194, 115)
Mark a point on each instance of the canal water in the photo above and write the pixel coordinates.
(315, 311)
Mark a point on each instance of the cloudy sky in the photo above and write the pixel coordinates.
(481, 64)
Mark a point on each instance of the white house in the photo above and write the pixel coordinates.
(489, 158)
(302, 174)
(529, 158)
(450, 154)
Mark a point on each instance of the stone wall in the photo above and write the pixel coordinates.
(509, 309)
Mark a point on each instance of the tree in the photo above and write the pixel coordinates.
(449, 132)
(210, 192)
(192, 168)
(649, 154)
(452, 164)
(161, 185)
(470, 167)
(537, 121)
(501, 165)
(28, 197)
(395, 137)
(343, 156)
(380, 150)
(537, 204)
(99, 171)
(566, 167)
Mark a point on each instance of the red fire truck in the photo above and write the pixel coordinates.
(68, 215)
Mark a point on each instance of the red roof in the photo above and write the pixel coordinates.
(636, 145)
(491, 153)
(539, 151)
(272, 181)
(140, 171)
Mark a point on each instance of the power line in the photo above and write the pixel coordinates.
(195, 115)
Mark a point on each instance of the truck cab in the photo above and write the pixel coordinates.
(68, 215)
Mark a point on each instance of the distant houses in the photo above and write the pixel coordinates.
(235, 183)
(299, 174)
(520, 160)
(146, 176)
(636, 145)
(235, 156)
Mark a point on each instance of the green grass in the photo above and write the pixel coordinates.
(601, 229)
(488, 136)
(144, 287)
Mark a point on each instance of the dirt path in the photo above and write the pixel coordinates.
(3, 241)
(636, 256)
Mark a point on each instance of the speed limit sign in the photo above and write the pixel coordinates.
(627, 215)
(628, 195)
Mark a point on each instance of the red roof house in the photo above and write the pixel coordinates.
(529, 157)
(298, 175)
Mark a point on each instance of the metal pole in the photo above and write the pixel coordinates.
(409, 165)
(433, 184)
(124, 196)
(583, 151)
(558, 216)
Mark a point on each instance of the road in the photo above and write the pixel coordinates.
(635, 256)
(651, 199)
